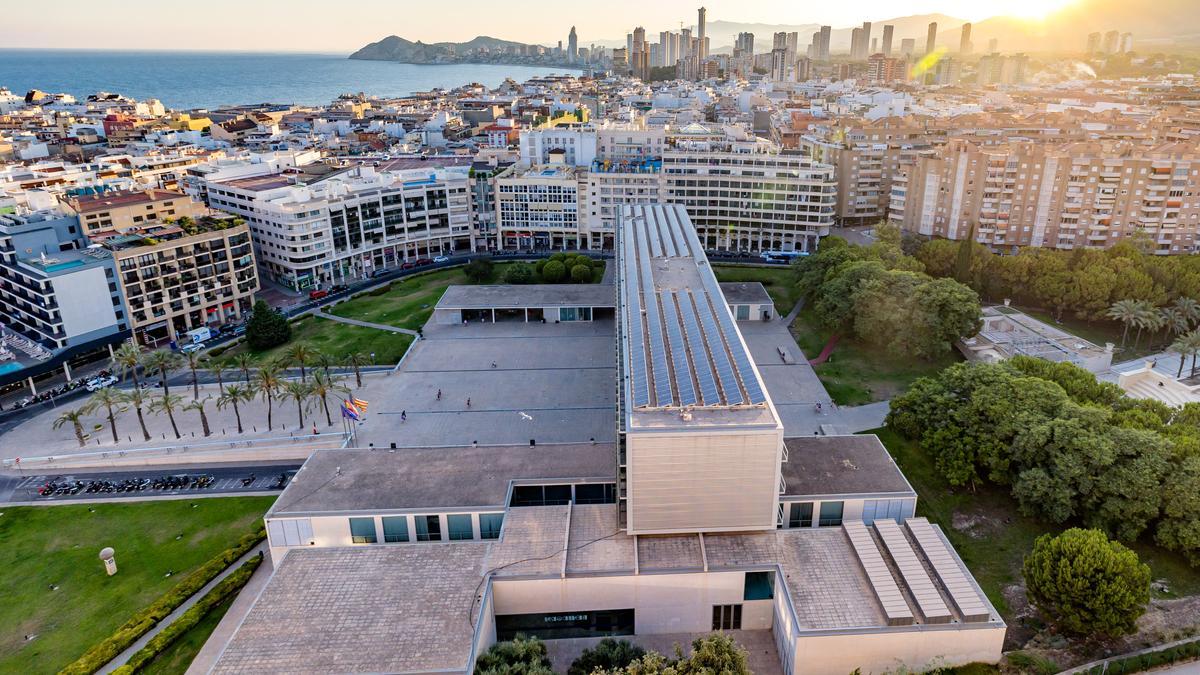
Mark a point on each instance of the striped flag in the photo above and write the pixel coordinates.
(359, 403)
(349, 413)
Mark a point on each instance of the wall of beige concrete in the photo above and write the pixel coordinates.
(916, 650)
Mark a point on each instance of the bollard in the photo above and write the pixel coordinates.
(110, 563)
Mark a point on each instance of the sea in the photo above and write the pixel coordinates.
(189, 80)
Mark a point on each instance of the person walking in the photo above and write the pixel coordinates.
(403, 415)
(439, 394)
(468, 401)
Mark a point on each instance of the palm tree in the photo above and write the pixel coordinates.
(1190, 309)
(1193, 348)
(324, 361)
(1149, 319)
(356, 361)
(301, 355)
(233, 395)
(108, 399)
(244, 362)
(1182, 346)
(168, 404)
(217, 367)
(323, 385)
(193, 361)
(1175, 321)
(198, 405)
(127, 358)
(138, 398)
(268, 383)
(1125, 311)
(300, 393)
(74, 417)
(162, 362)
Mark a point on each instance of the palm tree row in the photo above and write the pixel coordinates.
(1180, 318)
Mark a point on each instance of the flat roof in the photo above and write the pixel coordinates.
(114, 198)
(683, 353)
(533, 295)
(337, 480)
(841, 465)
(745, 293)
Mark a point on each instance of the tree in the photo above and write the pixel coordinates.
(232, 396)
(1179, 527)
(479, 270)
(168, 403)
(138, 398)
(267, 383)
(519, 273)
(198, 405)
(1060, 461)
(126, 360)
(217, 367)
(1127, 312)
(267, 327)
(244, 362)
(608, 654)
(714, 654)
(1183, 345)
(298, 392)
(1129, 496)
(356, 361)
(519, 656)
(192, 359)
(581, 274)
(110, 400)
(323, 385)
(324, 361)
(949, 311)
(1189, 308)
(1085, 584)
(75, 419)
(554, 272)
(162, 362)
(300, 354)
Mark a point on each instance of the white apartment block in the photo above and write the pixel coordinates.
(539, 207)
(349, 223)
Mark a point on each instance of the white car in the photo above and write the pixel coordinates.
(193, 347)
(442, 259)
(98, 383)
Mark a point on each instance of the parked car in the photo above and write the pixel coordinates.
(317, 295)
(339, 288)
(408, 265)
(239, 329)
(442, 259)
(98, 383)
(423, 261)
(193, 347)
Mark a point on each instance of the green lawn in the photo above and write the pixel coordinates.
(406, 303)
(56, 546)
(859, 374)
(177, 657)
(994, 537)
(780, 282)
(339, 339)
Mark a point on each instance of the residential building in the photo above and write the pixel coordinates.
(538, 206)
(131, 209)
(931, 37)
(964, 41)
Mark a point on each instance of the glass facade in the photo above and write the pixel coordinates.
(429, 528)
(395, 529)
(489, 525)
(362, 531)
(459, 526)
(831, 514)
(801, 515)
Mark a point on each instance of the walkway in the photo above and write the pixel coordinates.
(207, 657)
(364, 324)
(124, 656)
(828, 349)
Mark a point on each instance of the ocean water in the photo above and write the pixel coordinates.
(186, 80)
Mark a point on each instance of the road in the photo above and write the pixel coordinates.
(227, 480)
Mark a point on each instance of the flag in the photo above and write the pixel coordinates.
(350, 404)
(359, 403)
(348, 413)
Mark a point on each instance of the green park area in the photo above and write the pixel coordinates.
(174, 660)
(58, 601)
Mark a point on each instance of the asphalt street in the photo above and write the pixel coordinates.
(226, 480)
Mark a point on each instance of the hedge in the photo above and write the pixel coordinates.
(106, 650)
(1140, 662)
(159, 643)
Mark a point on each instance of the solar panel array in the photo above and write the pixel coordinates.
(962, 592)
(929, 600)
(895, 607)
(684, 347)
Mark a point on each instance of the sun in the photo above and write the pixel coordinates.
(1034, 9)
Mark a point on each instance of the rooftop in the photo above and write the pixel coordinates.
(533, 295)
(745, 293)
(841, 465)
(121, 198)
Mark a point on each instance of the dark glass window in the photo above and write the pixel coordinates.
(831, 514)
(362, 530)
(759, 586)
(429, 528)
(727, 617)
(801, 515)
(489, 525)
(459, 526)
(395, 529)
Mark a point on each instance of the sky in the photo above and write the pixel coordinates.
(323, 26)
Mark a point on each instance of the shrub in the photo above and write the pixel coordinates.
(519, 273)
(107, 649)
(521, 655)
(267, 327)
(609, 654)
(479, 270)
(159, 643)
(554, 272)
(1086, 584)
(581, 274)
(1032, 663)
(539, 266)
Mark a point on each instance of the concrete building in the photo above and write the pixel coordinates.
(964, 41)
(907, 47)
(350, 222)
(538, 206)
(551, 541)
(888, 30)
(125, 210)
(931, 38)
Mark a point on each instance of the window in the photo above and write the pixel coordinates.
(596, 493)
(801, 515)
(489, 525)
(759, 586)
(743, 312)
(362, 530)
(727, 617)
(429, 528)
(460, 527)
(831, 514)
(395, 529)
(541, 495)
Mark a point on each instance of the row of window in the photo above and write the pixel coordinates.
(800, 514)
(457, 527)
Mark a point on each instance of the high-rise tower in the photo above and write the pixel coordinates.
(701, 49)
(572, 46)
(931, 38)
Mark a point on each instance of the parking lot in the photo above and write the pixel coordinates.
(74, 486)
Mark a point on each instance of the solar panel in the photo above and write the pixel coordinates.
(716, 346)
(929, 600)
(895, 607)
(658, 346)
(681, 240)
(650, 228)
(664, 228)
(700, 362)
(741, 357)
(679, 351)
(639, 384)
(962, 592)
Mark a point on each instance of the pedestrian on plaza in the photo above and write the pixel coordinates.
(439, 395)
(468, 401)
(493, 364)
(403, 415)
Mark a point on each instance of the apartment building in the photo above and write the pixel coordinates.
(131, 209)
(350, 222)
(1076, 195)
(175, 280)
(539, 206)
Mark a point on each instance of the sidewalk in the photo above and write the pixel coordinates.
(133, 649)
(208, 654)
(365, 324)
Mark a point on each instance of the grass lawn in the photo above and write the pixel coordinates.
(177, 657)
(859, 374)
(405, 303)
(45, 546)
(780, 282)
(994, 537)
(336, 338)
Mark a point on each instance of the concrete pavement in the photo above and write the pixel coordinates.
(208, 654)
